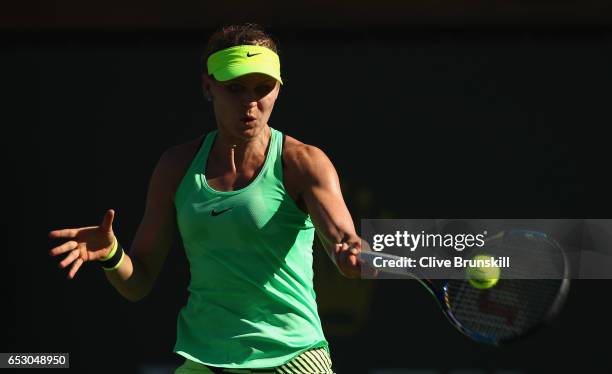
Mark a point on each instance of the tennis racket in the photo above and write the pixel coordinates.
(517, 305)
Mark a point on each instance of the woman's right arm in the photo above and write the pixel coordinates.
(137, 274)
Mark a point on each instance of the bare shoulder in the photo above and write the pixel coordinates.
(182, 153)
(300, 155)
(175, 161)
(304, 160)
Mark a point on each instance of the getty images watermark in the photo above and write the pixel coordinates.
(407, 241)
(519, 248)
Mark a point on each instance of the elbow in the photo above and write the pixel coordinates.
(141, 293)
(134, 297)
(137, 292)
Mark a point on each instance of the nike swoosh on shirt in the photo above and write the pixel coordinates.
(213, 213)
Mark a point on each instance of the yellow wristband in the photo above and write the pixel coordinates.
(112, 252)
(118, 263)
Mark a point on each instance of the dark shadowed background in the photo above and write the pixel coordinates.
(440, 109)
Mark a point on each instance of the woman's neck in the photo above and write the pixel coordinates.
(237, 155)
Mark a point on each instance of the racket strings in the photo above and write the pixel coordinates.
(509, 309)
(532, 256)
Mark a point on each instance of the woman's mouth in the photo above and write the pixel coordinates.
(247, 119)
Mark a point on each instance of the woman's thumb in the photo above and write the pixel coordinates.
(107, 222)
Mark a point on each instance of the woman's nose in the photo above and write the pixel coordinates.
(251, 96)
(250, 100)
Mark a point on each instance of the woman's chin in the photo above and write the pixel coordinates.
(247, 130)
(249, 126)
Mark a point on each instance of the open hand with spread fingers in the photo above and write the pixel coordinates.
(84, 243)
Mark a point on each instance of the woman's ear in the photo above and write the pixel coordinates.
(206, 83)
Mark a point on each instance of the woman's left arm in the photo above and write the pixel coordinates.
(320, 191)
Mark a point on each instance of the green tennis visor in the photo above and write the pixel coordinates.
(240, 60)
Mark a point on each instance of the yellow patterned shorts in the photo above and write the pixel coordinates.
(313, 361)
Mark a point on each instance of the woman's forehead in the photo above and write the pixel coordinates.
(252, 78)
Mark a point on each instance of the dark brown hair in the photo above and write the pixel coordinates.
(239, 34)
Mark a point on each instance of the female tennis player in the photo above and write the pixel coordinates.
(246, 200)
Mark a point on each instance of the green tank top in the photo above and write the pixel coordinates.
(251, 298)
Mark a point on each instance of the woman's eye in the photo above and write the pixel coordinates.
(234, 88)
(264, 89)
(261, 90)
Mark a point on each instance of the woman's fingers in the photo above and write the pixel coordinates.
(75, 267)
(107, 221)
(68, 233)
(348, 261)
(347, 257)
(68, 246)
(367, 269)
(64, 233)
(71, 257)
(86, 236)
